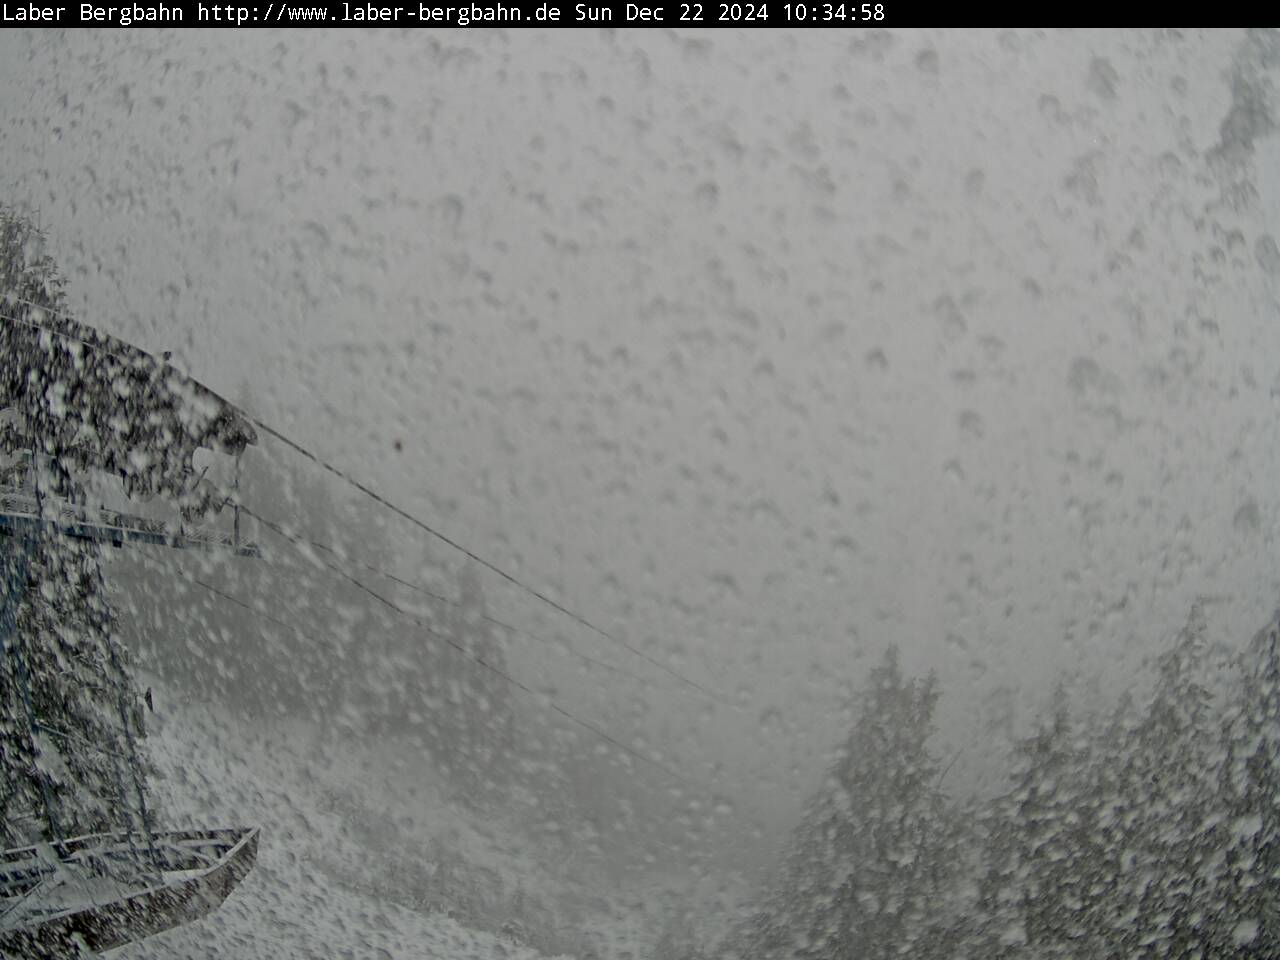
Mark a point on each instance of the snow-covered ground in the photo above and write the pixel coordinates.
(363, 856)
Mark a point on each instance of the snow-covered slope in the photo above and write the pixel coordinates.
(334, 878)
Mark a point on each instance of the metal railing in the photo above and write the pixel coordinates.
(20, 511)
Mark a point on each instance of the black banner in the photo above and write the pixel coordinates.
(560, 13)
(435, 13)
(485, 13)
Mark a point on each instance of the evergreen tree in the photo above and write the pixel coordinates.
(447, 683)
(871, 870)
(1113, 811)
(71, 745)
(1145, 837)
(68, 709)
(1247, 895)
(381, 661)
(1172, 782)
(437, 679)
(480, 699)
(1042, 850)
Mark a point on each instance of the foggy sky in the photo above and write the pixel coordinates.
(763, 350)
